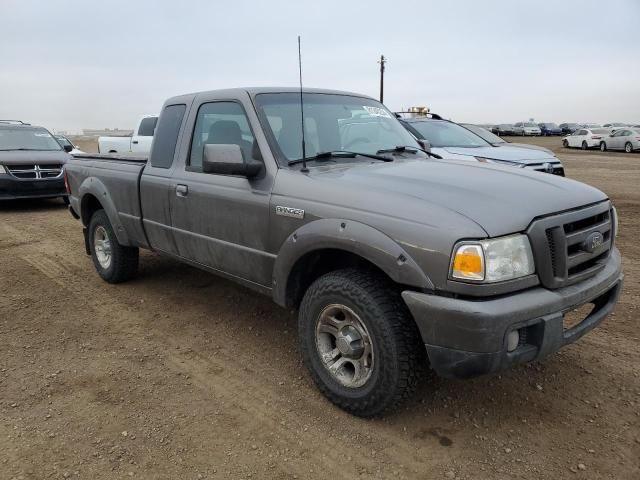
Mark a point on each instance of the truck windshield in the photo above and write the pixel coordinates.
(25, 138)
(332, 123)
(447, 134)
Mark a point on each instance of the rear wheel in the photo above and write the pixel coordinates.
(584, 145)
(115, 263)
(603, 147)
(359, 341)
(628, 147)
(65, 200)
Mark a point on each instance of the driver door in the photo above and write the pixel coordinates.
(222, 221)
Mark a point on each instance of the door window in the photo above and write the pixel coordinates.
(220, 123)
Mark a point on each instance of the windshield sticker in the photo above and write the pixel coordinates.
(377, 111)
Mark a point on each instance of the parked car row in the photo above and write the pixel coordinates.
(549, 128)
(625, 138)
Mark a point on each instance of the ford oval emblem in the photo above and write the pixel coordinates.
(593, 241)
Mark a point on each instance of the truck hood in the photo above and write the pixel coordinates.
(502, 200)
(504, 152)
(30, 157)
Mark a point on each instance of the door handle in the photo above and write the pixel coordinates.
(182, 190)
(135, 142)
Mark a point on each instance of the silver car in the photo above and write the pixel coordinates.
(526, 128)
(627, 139)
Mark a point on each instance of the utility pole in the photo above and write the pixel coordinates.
(382, 62)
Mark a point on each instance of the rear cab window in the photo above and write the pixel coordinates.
(164, 143)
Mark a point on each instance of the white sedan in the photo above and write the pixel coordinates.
(585, 138)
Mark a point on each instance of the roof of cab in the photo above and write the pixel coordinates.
(253, 91)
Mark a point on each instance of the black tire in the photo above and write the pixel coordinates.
(603, 147)
(565, 143)
(399, 357)
(123, 264)
(584, 145)
(628, 147)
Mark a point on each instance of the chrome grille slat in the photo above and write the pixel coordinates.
(35, 171)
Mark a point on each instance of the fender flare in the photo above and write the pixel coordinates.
(354, 237)
(93, 186)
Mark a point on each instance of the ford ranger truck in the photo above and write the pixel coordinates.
(393, 259)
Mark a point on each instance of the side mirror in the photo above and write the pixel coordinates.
(425, 145)
(68, 148)
(227, 159)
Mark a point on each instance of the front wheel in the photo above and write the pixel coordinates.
(115, 263)
(628, 147)
(359, 341)
(565, 143)
(584, 145)
(603, 147)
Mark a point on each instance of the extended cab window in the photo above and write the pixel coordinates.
(220, 123)
(164, 144)
(147, 126)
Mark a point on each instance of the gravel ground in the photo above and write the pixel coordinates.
(182, 375)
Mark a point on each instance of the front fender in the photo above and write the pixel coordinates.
(350, 236)
(93, 186)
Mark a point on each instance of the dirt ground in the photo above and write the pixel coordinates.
(182, 375)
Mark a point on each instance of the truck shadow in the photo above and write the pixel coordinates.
(32, 204)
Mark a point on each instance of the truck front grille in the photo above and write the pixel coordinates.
(35, 171)
(572, 246)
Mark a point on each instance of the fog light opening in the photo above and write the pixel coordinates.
(513, 339)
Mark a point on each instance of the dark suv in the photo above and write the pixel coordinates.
(31, 162)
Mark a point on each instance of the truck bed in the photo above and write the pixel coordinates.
(115, 180)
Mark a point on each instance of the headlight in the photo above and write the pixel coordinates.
(615, 220)
(2, 169)
(492, 260)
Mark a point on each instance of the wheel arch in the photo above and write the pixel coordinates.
(94, 196)
(330, 244)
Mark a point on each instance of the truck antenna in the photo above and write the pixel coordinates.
(304, 152)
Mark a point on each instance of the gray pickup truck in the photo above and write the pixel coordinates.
(394, 259)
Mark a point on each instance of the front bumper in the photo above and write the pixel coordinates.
(465, 338)
(12, 188)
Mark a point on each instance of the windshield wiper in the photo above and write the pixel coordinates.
(325, 156)
(410, 149)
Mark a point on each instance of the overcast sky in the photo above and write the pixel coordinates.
(94, 64)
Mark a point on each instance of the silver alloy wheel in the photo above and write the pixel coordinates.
(102, 247)
(344, 345)
(628, 147)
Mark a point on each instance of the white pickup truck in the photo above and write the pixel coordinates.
(139, 142)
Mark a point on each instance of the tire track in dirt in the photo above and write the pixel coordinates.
(258, 403)
(232, 382)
